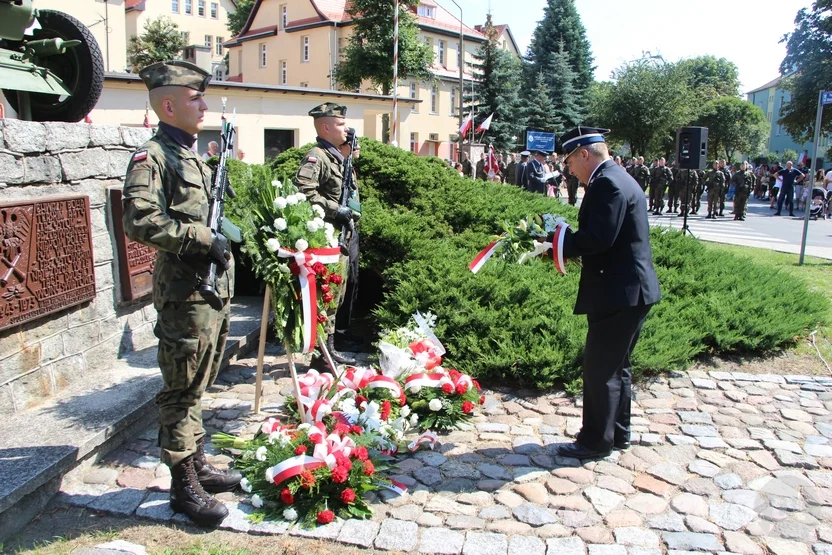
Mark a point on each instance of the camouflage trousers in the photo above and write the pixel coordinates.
(192, 339)
(696, 198)
(657, 196)
(714, 195)
(673, 197)
(740, 202)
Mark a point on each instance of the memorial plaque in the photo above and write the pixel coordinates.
(45, 258)
(135, 261)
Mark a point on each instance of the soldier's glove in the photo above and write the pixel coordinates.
(218, 253)
(344, 215)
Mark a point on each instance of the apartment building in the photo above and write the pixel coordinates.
(203, 23)
(299, 43)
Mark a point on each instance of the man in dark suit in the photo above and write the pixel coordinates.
(536, 173)
(617, 289)
(521, 170)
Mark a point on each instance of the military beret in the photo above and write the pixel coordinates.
(175, 74)
(581, 136)
(328, 110)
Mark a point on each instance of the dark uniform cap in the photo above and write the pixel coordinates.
(328, 110)
(581, 136)
(175, 74)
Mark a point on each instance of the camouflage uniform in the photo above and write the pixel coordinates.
(658, 184)
(697, 191)
(673, 191)
(571, 186)
(744, 185)
(166, 199)
(688, 181)
(724, 192)
(642, 176)
(716, 183)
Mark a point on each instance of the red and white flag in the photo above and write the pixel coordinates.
(485, 124)
(466, 125)
(804, 159)
(491, 164)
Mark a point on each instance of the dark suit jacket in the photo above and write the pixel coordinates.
(535, 177)
(613, 239)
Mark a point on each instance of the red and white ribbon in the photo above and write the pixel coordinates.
(389, 384)
(302, 267)
(357, 378)
(313, 382)
(292, 467)
(557, 247)
(426, 380)
(483, 256)
(426, 438)
(395, 486)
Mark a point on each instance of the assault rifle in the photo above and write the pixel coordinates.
(347, 190)
(216, 222)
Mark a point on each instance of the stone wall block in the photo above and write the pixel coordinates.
(102, 247)
(83, 164)
(135, 136)
(104, 135)
(67, 370)
(61, 135)
(98, 220)
(139, 338)
(118, 161)
(42, 169)
(21, 362)
(52, 348)
(11, 341)
(2, 140)
(32, 389)
(80, 338)
(103, 277)
(12, 169)
(96, 189)
(36, 330)
(6, 401)
(24, 136)
(104, 353)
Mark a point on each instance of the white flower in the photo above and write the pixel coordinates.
(284, 268)
(320, 222)
(333, 242)
(405, 411)
(329, 229)
(270, 473)
(292, 200)
(435, 405)
(280, 224)
(260, 454)
(415, 388)
(277, 184)
(290, 514)
(312, 226)
(301, 197)
(256, 501)
(272, 244)
(318, 210)
(280, 203)
(301, 245)
(245, 485)
(414, 419)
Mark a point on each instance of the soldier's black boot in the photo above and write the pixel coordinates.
(338, 356)
(213, 479)
(187, 496)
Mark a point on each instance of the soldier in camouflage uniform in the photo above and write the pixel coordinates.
(166, 198)
(723, 167)
(659, 180)
(673, 191)
(321, 178)
(715, 184)
(688, 182)
(696, 199)
(571, 185)
(744, 183)
(641, 174)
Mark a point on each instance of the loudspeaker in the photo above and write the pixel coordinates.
(692, 148)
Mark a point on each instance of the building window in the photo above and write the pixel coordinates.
(218, 51)
(209, 41)
(189, 7)
(174, 6)
(219, 73)
(414, 92)
(442, 53)
(215, 10)
(414, 142)
(304, 49)
(186, 36)
(262, 54)
(434, 99)
(426, 11)
(454, 101)
(340, 47)
(284, 16)
(200, 8)
(458, 57)
(284, 73)
(305, 84)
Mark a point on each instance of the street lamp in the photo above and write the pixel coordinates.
(461, 82)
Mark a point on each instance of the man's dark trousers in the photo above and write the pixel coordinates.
(607, 374)
(787, 194)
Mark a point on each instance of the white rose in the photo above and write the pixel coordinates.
(284, 268)
(272, 244)
(312, 226)
(260, 454)
(415, 388)
(280, 224)
(405, 411)
(414, 419)
(280, 203)
(245, 485)
(435, 405)
(277, 184)
(290, 514)
(291, 200)
(256, 501)
(301, 245)
(318, 210)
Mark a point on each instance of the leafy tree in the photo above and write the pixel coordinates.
(789, 154)
(160, 41)
(238, 17)
(711, 77)
(734, 126)
(561, 23)
(808, 69)
(497, 76)
(564, 94)
(540, 110)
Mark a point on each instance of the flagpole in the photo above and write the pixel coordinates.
(394, 135)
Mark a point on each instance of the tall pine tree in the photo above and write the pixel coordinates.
(564, 93)
(562, 23)
(497, 80)
(540, 110)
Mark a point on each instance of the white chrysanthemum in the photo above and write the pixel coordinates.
(312, 226)
(405, 411)
(270, 473)
(245, 485)
(277, 184)
(260, 454)
(435, 405)
(280, 203)
(414, 419)
(284, 268)
(333, 242)
(272, 244)
(290, 514)
(256, 501)
(301, 245)
(320, 222)
(292, 200)
(318, 210)
(415, 388)
(301, 197)
(329, 229)
(280, 224)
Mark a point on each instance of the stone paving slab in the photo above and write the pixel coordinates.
(726, 462)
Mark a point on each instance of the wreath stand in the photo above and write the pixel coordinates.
(290, 355)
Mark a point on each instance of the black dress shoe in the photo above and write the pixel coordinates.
(622, 445)
(578, 451)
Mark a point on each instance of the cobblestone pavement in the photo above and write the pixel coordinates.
(720, 462)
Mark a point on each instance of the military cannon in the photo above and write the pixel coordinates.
(51, 68)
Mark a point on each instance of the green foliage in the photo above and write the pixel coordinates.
(563, 92)
(238, 17)
(734, 126)
(423, 224)
(540, 110)
(161, 41)
(712, 77)
(789, 154)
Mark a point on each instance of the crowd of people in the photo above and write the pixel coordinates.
(668, 188)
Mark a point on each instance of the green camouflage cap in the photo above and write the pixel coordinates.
(175, 74)
(328, 110)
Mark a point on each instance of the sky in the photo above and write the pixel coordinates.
(619, 31)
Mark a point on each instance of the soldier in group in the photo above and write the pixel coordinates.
(716, 182)
(467, 167)
(571, 185)
(480, 171)
(654, 166)
(659, 179)
(723, 167)
(166, 202)
(744, 183)
(522, 168)
(641, 173)
(501, 165)
(696, 199)
(321, 178)
(511, 170)
(673, 191)
(688, 182)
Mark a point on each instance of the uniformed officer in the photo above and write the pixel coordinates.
(467, 167)
(321, 178)
(673, 190)
(688, 182)
(744, 185)
(536, 173)
(511, 170)
(696, 199)
(661, 177)
(166, 199)
(727, 173)
(522, 167)
(571, 185)
(641, 174)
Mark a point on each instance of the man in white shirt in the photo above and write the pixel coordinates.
(213, 149)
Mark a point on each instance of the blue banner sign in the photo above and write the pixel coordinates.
(540, 140)
(826, 98)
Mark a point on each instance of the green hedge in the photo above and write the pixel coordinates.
(423, 224)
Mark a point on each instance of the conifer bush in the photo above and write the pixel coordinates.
(423, 224)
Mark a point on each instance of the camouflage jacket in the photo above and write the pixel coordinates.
(642, 175)
(166, 199)
(321, 178)
(743, 180)
(716, 180)
(661, 176)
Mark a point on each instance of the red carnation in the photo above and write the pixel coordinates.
(369, 469)
(325, 517)
(321, 318)
(326, 289)
(461, 388)
(328, 297)
(360, 399)
(357, 430)
(340, 474)
(454, 374)
(447, 388)
(341, 428)
(341, 460)
(477, 385)
(467, 407)
(286, 496)
(348, 496)
(385, 410)
(482, 399)
(336, 279)
(361, 453)
(307, 480)
(300, 449)
(319, 268)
